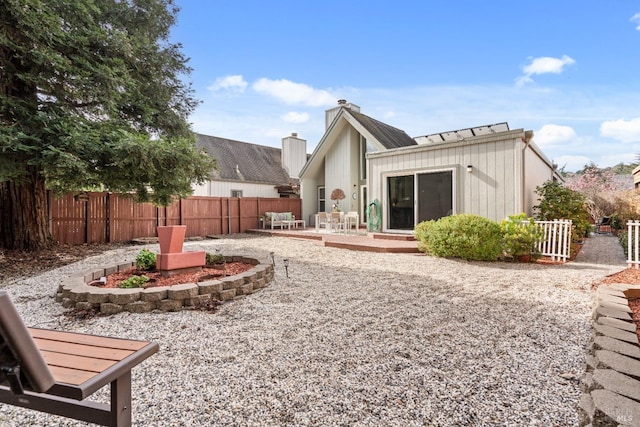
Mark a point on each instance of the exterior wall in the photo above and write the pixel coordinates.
(338, 166)
(294, 154)
(492, 189)
(223, 189)
(537, 171)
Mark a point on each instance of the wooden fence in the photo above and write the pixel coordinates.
(556, 240)
(108, 217)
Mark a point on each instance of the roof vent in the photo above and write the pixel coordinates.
(293, 134)
(342, 101)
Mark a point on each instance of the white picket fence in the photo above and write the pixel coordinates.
(633, 250)
(556, 240)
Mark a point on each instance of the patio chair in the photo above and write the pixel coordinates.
(337, 221)
(351, 218)
(322, 220)
(56, 371)
(604, 225)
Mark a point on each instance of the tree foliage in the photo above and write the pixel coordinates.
(559, 202)
(92, 96)
(599, 187)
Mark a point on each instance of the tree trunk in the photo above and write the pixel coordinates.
(24, 222)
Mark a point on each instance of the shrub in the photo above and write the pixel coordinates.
(214, 258)
(421, 231)
(520, 235)
(465, 236)
(558, 202)
(134, 282)
(146, 260)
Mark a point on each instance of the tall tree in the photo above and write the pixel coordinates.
(91, 96)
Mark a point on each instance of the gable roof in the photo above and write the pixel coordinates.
(386, 135)
(242, 161)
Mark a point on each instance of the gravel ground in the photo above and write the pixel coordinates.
(351, 338)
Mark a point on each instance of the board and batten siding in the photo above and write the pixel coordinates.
(494, 187)
(223, 189)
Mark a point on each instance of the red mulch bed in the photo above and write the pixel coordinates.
(630, 276)
(156, 278)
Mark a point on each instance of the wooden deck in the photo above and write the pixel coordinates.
(360, 241)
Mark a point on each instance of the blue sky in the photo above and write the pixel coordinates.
(568, 70)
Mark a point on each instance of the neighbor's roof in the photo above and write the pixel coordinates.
(241, 161)
(386, 135)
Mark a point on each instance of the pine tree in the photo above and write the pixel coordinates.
(91, 97)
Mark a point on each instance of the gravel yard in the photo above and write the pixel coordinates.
(350, 338)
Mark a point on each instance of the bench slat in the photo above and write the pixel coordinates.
(82, 350)
(71, 376)
(73, 361)
(97, 341)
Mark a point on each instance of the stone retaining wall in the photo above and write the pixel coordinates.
(75, 292)
(611, 383)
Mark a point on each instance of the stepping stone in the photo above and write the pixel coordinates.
(610, 312)
(618, 323)
(617, 382)
(618, 362)
(616, 333)
(602, 342)
(613, 409)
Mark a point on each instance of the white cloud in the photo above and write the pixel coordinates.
(294, 117)
(543, 65)
(554, 134)
(294, 93)
(235, 83)
(622, 130)
(636, 19)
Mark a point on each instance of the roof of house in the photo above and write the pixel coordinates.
(386, 135)
(242, 161)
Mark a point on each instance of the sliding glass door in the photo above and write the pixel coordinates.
(435, 195)
(401, 202)
(419, 197)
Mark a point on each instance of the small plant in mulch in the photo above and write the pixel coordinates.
(134, 281)
(213, 259)
(146, 260)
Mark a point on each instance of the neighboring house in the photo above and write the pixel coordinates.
(489, 171)
(636, 178)
(250, 170)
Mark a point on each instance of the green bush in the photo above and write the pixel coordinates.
(558, 202)
(212, 259)
(624, 241)
(520, 235)
(134, 282)
(465, 236)
(421, 231)
(146, 260)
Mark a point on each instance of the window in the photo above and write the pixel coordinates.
(321, 199)
(236, 193)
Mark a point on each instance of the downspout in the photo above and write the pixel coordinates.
(528, 136)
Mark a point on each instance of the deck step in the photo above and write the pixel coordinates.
(387, 236)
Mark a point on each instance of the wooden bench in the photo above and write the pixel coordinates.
(55, 371)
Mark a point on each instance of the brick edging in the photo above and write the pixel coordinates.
(611, 383)
(75, 293)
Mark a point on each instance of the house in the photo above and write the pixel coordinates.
(491, 171)
(251, 170)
